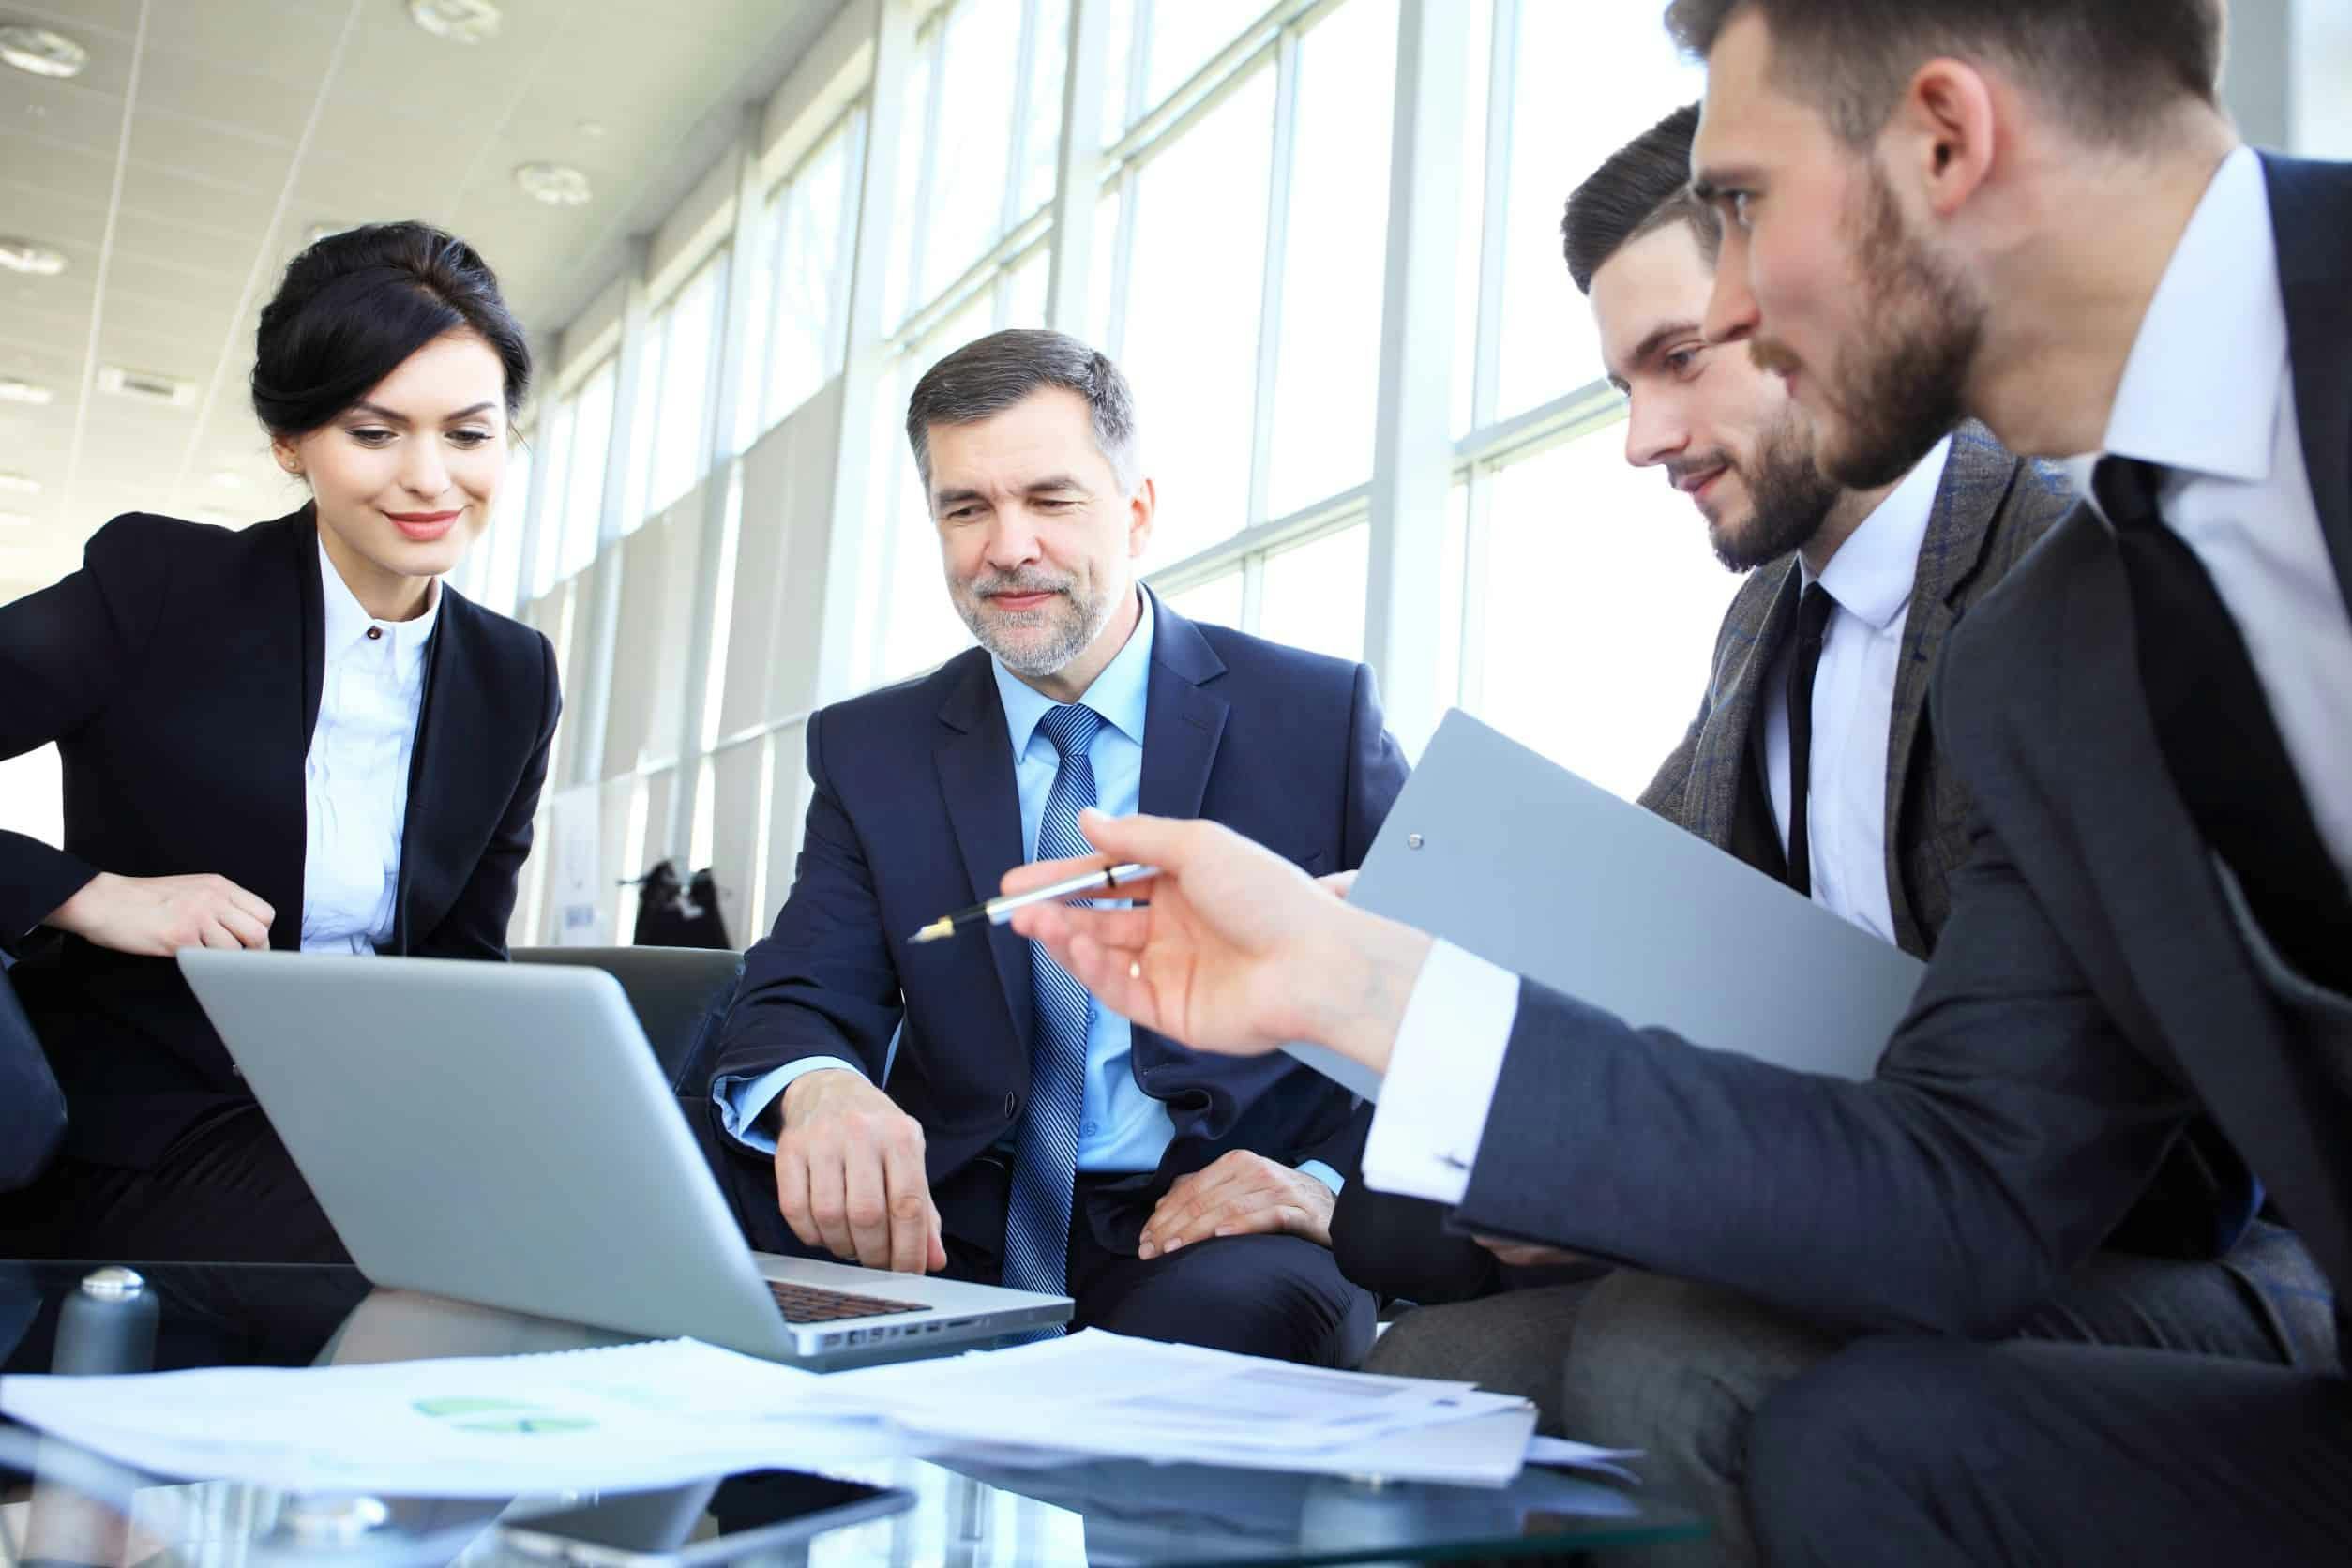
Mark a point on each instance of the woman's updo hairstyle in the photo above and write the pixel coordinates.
(356, 303)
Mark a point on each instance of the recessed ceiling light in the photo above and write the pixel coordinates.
(147, 386)
(19, 484)
(16, 519)
(227, 480)
(41, 52)
(559, 185)
(15, 391)
(22, 255)
(460, 21)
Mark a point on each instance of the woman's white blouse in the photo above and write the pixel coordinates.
(355, 782)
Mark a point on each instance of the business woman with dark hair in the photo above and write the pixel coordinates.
(291, 736)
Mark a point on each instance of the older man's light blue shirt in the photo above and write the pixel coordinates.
(1121, 1128)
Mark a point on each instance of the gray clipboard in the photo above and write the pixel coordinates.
(1510, 857)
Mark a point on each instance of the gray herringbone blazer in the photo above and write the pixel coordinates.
(1991, 508)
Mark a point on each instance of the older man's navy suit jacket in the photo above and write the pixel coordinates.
(915, 812)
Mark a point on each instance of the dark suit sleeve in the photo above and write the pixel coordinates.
(475, 925)
(1404, 1248)
(64, 652)
(2008, 1128)
(822, 983)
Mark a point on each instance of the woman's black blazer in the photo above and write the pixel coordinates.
(179, 673)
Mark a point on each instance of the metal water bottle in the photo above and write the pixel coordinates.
(106, 1327)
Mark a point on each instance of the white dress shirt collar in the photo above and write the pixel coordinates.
(1871, 575)
(2215, 321)
(348, 620)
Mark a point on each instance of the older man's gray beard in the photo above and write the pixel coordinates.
(1076, 620)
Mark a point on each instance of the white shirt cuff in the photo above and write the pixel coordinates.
(1440, 1078)
(1324, 1174)
(741, 1100)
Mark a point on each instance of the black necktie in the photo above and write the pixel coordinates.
(1813, 620)
(2219, 737)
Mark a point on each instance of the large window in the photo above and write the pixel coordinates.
(802, 313)
(1596, 609)
(578, 436)
(1334, 243)
(1314, 593)
(1582, 81)
(1195, 280)
(1248, 241)
(1582, 599)
(1239, 226)
(918, 624)
(971, 255)
(976, 158)
(492, 572)
(678, 379)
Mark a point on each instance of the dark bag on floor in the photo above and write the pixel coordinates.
(671, 915)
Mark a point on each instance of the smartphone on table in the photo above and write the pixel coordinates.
(705, 1522)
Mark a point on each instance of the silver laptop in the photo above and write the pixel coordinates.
(500, 1133)
(1510, 857)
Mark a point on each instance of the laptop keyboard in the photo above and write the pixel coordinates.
(808, 1304)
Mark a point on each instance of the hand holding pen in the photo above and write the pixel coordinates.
(1230, 948)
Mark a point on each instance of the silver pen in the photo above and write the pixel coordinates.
(997, 910)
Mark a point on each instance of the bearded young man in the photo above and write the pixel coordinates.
(1018, 1134)
(1851, 598)
(2037, 215)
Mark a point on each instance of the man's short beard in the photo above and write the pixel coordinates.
(1075, 624)
(1902, 390)
(1788, 494)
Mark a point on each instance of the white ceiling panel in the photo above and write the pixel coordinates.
(212, 198)
(373, 186)
(52, 365)
(82, 17)
(210, 153)
(60, 111)
(290, 44)
(43, 169)
(150, 250)
(55, 321)
(176, 86)
(221, 188)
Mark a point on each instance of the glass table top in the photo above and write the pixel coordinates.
(59, 1504)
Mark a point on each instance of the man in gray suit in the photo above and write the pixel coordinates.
(1882, 574)
(1667, 1365)
(2152, 717)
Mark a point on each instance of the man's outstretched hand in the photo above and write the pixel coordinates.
(1231, 948)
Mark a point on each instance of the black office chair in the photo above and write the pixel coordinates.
(672, 990)
(32, 1110)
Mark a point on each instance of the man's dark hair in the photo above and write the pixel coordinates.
(2110, 68)
(355, 305)
(1645, 185)
(989, 376)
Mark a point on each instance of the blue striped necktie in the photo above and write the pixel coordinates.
(1045, 1156)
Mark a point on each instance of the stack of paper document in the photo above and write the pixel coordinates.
(648, 1415)
(493, 1426)
(1099, 1393)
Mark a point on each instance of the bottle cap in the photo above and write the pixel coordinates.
(112, 1283)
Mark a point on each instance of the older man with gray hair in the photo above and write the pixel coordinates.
(1020, 1133)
